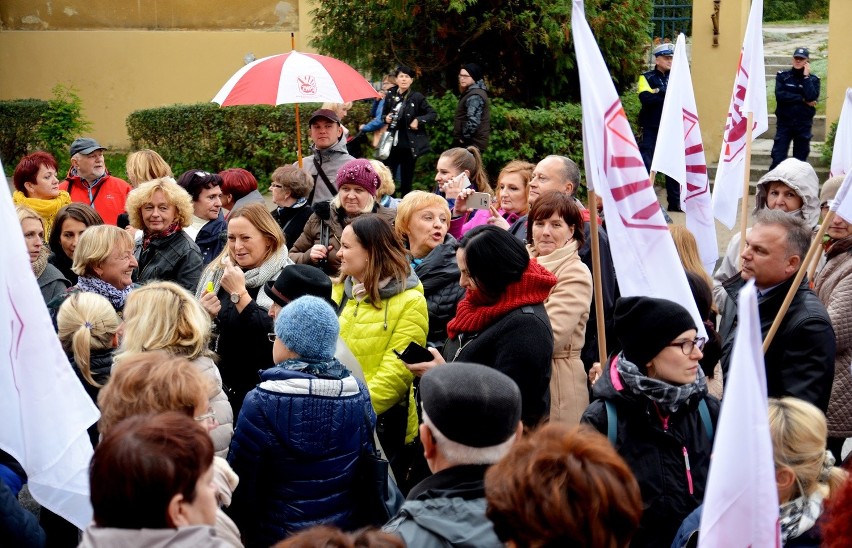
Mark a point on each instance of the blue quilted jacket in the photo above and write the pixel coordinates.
(295, 449)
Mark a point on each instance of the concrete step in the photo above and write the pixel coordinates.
(761, 151)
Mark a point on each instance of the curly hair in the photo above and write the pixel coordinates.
(563, 486)
(173, 193)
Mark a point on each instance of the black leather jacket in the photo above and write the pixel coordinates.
(175, 258)
(800, 360)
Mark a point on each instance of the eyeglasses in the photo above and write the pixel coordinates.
(271, 337)
(465, 76)
(210, 415)
(687, 346)
(276, 185)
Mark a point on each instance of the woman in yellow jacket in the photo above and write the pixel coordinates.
(382, 309)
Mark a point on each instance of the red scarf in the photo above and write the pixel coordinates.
(476, 312)
(147, 237)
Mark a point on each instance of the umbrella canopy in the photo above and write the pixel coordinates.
(294, 78)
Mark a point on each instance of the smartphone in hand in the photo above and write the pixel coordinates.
(414, 353)
(479, 200)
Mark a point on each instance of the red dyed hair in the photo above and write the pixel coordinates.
(237, 182)
(837, 518)
(141, 463)
(563, 486)
(27, 168)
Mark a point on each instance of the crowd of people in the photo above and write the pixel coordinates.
(248, 363)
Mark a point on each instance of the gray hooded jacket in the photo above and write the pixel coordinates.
(331, 160)
(799, 176)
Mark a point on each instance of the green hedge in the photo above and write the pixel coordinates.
(19, 124)
(261, 138)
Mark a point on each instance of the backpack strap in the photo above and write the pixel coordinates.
(611, 422)
(705, 418)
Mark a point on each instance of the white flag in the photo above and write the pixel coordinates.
(741, 499)
(749, 96)
(646, 261)
(842, 203)
(44, 407)
(841, 156)
(682, 158)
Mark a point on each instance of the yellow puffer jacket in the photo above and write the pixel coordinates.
(373, 334)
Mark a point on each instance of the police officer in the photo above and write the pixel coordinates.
(796, 94)
(652, 94)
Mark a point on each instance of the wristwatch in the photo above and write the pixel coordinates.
(235, 297)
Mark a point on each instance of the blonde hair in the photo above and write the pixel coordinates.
(148, 383)
(386, 184)
(25, 213)
(414, 201)
(690, 258)
(799, 433)
(95, 246)
(175, 195)
(525, 170)
(256, 214)
(341, 109)
(164, 316)
(86, 322)
(146, 165)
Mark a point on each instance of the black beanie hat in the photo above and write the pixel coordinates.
(471, 404)
(474, 70)
(646, 325)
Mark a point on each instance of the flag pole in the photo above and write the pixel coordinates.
(298, 122)
(817, 241)
(596, 276)
(746, 181)
(813, 267)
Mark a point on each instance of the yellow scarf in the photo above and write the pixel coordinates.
(46, 209)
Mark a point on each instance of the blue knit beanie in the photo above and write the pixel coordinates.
(308, 326)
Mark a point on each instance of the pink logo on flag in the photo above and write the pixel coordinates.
(696, 167)
(307, 84)
(625, 173)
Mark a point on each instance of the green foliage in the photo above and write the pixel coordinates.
(523, 46)
(261, 138)
(19, 129)
(795, 10)
(828, 147)
(258, 138)
(62, 121)
(33, 124)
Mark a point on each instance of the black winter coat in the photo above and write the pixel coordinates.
(439, 274)
(653, 446)
(100, 367)
(175, 258)
(243, 345)
(211, 239)
(520, 344)
(292, 221)
(800, 360)
(415, 106)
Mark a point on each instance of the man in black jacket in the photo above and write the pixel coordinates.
(800, 360)
(796, 93)
(472, 122)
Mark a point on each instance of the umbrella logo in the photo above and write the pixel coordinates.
(307, 84)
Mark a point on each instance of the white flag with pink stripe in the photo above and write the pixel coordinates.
(741, 499)
(749, 96)
(646, 261)
(841, 155)
(682, 158)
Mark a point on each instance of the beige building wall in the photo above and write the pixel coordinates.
(117, 71)
(839, 67)
(714, 67)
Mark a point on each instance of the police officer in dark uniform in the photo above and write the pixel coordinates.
(652, 94)
(796, 93)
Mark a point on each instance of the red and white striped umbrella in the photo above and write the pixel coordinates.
(294, 78)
